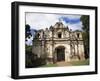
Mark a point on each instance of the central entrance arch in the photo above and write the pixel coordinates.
(60, 53)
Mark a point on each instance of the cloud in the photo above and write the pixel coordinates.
(42, 21)
(77, 26)
(29, 41)
(72, 21)
(69, 20)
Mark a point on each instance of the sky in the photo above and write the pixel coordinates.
(43, 20)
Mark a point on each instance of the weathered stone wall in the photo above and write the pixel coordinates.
(71, 41)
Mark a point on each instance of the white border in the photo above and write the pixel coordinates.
(53, 70)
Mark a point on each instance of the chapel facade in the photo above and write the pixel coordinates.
(58, 43)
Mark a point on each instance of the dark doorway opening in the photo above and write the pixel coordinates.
(60, 53)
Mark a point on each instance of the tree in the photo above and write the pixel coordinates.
(85, 23)
(27, 31)
(28, 49)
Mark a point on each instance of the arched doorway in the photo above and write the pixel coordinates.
(60, 53)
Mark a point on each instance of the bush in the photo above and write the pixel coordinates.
(33, 61)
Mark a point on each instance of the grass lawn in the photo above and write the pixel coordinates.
(79, 63)
(50, 65)
(73, 63)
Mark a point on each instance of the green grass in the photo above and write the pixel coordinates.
(50, 65)
(73, 63)
(79, 63)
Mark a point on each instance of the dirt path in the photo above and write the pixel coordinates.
(63, 64)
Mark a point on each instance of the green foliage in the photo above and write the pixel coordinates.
(31, 60)
(85, 23)
(28, 48)
(27, 31)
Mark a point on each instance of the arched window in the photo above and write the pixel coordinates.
(59, 35)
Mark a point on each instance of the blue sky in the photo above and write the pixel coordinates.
(42, 21)
(69, 20)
